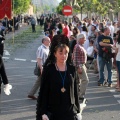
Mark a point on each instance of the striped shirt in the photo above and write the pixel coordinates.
(42, 53)
(79, 55)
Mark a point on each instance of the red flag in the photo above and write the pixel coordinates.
(5, 8)
(0, 1)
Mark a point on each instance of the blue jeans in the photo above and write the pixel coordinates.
(102, 64)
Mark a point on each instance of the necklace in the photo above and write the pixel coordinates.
(63, 79)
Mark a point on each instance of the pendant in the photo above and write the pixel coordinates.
(63, 90)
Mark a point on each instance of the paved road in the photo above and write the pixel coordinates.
(103, 102)
(20, 74)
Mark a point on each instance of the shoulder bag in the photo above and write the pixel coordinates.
(37, 70)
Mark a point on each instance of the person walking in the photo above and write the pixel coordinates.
(42, 54)
(105, 42)
(58, 96)
(4, 79)
(66, 30)
(79, 60)
(33, 23)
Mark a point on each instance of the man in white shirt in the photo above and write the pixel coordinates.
(109, 24)
(90, 49)
(42, 54)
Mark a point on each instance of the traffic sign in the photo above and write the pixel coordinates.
(67, 10)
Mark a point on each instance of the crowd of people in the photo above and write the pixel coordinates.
(62, 60)
(63, 76)
(100, 36)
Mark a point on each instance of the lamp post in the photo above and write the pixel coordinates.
(81, 8)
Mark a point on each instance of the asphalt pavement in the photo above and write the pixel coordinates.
(103, 102)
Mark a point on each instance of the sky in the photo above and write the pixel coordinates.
(59, 0)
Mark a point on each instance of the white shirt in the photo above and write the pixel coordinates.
(89, 30)
(118, 54)
(111, 30)
(42, 53)
(90, 50)
(86, 43)
(70, 33)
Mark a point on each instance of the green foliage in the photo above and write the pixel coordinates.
(98, 6)
(60, 7)
(20, 6)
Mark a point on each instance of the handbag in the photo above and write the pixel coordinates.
(37, 70)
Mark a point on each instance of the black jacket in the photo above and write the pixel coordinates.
(1, 43)
(3, 73)
(49, 95)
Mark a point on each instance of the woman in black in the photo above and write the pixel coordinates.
(58, 96)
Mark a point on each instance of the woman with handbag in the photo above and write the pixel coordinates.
(58, 96)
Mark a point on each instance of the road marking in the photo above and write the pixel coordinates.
(113, 90)
(116, 96)
(6, 58)
(33, 61)
(20, 67)
(20, 59)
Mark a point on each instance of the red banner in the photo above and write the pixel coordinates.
(5, 8)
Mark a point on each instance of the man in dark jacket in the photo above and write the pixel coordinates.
(33, 23)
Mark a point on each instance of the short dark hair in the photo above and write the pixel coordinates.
(91, 41)
(66, 22)
(84, 28)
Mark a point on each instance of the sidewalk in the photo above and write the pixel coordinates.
(22, 28)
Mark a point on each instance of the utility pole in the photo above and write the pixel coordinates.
(81, 9)
(81, 13)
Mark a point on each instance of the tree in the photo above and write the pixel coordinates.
(99, 7)
(20, 6)
(60, 7)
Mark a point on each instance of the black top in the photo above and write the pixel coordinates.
(3, 73)
(64, 97)
(72, 45)
(50, 96)
(104, 39)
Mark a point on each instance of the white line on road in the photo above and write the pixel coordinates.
(20, 59)
(20, 67)
(5, 57)
(33, 61)
(116, 96)
(15, 75)
(113, 90)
